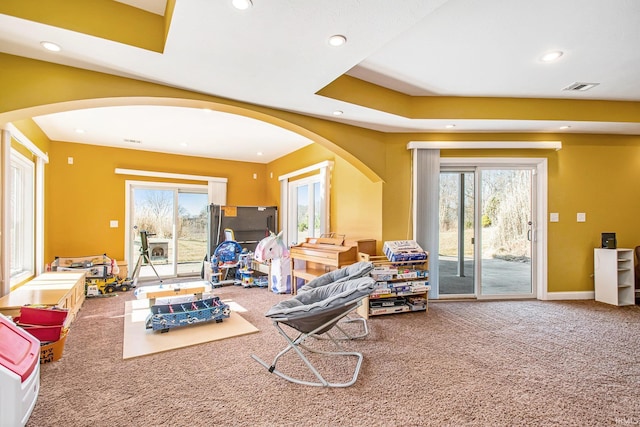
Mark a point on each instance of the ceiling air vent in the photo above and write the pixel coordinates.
(581, 86)
(132, 141)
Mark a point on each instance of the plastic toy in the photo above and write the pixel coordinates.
(166, 316)
(226, 259)
(245, 272)
(101, 275)
(273, 249)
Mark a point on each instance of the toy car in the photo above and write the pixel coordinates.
(97, 286)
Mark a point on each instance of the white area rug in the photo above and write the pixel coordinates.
(139, 341)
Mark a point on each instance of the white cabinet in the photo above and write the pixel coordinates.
(613, 273)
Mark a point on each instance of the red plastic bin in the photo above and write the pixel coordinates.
(43, 333)
(43, 316)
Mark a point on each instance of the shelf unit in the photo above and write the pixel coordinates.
(613, 276)
(62, 289)
(401, 292)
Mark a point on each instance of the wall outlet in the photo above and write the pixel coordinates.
(554, 217)
(113, 223)
(581, 217)
(70, 160)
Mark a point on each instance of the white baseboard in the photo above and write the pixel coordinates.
(558, 296)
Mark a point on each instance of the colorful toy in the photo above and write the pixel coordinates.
(101, 277)
(166, 316)
(245, 272)
(226, 259)
(272, 248)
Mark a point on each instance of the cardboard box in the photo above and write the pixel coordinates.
(403, 250)
(388, 310)
(51, 352)
(123, 270)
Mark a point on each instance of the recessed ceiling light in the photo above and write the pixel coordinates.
(259, 153)
(551, 56)
(338, 113)
(78, 130)
(337, 40)
(51, 46)
(241, 4)
(183, 144)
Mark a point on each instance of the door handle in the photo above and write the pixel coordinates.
(529, 230)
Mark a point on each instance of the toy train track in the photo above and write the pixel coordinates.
(167, 316)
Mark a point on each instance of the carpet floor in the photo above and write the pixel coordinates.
(501, 363)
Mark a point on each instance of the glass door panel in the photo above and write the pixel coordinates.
(505, 232)
(191, 232)
(153, 212)
(457, 224)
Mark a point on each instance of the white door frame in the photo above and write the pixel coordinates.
(540, 226)
(128, 220)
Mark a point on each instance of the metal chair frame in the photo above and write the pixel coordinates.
(297, 345)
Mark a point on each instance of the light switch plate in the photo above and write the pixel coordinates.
(554, 217)
(581, 217)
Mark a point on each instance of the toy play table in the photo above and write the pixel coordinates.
(169, 290)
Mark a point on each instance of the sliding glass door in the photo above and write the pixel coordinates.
(175, 221)
(486, 232)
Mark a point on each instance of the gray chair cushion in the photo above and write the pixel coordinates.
(353, 271)
(323, 298)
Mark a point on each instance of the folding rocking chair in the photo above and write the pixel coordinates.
(350, 272)
(316, 312)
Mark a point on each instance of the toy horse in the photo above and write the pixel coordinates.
(272, 248)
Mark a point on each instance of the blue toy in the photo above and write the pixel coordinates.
(166, 316)
(226, 257)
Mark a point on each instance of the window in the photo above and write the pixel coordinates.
(21, 214)
(305, 202)
(304, 209)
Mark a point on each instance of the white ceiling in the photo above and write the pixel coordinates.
(276, 54)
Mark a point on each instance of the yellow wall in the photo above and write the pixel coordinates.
(81, 198)
(355, 202)
(594, 174)
(371, 182)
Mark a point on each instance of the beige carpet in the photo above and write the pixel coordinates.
(139, 341)
(462, 364)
